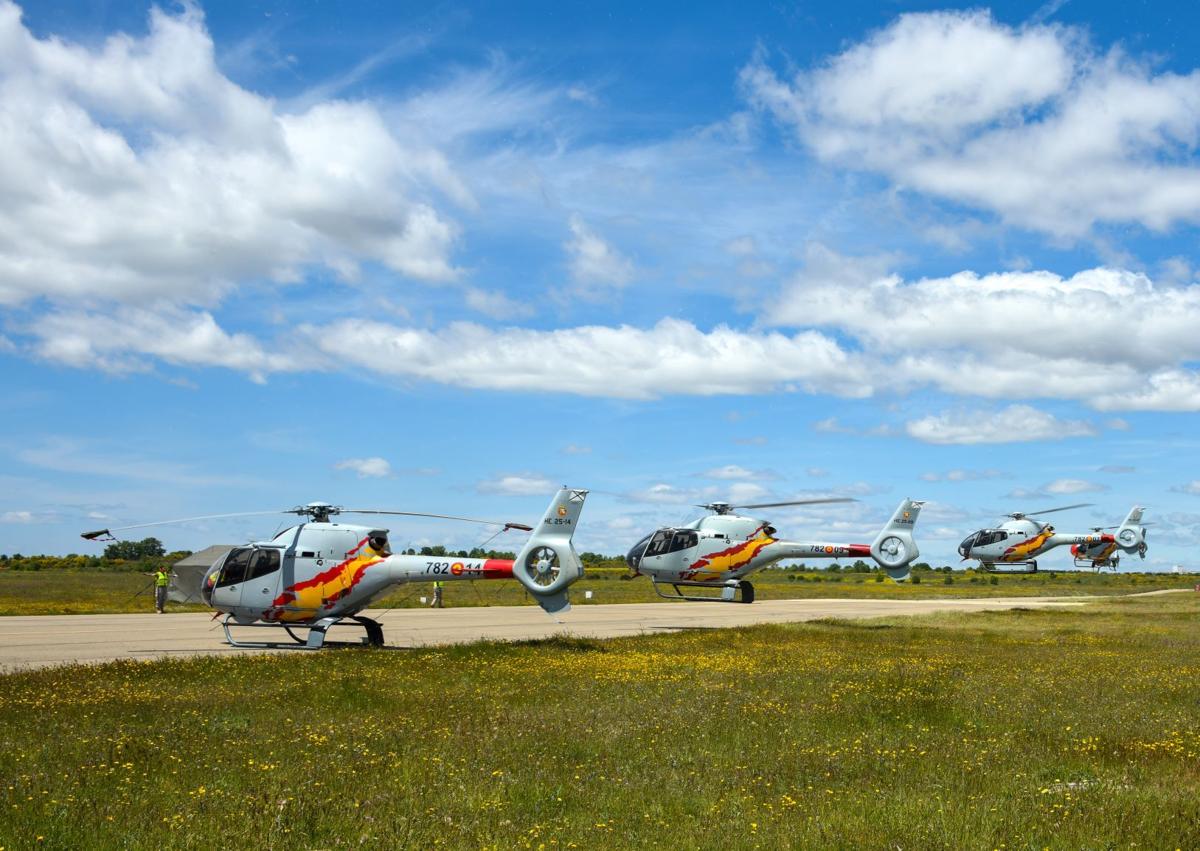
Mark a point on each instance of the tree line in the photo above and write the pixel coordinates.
(142, 555)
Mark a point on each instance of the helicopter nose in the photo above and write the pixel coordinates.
(633, 558)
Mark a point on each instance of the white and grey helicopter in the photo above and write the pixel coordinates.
(1013, 546)
(321, 572)
(720, 550)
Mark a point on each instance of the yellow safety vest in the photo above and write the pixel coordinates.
(161, 578)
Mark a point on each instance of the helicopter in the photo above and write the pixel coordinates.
(719, 550)
(322, 573)
(1130, 538)
(1018, 541)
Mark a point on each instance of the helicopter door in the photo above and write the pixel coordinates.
(680, 543)
(227, 592)
(262, 579)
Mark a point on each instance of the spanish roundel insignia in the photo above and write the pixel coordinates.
(906, 515)
(562, 511)
(829, 550)
(456, 568)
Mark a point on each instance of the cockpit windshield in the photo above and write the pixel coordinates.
(234, 569)
(634, 557)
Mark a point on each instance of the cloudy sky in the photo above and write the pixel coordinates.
(450, 257)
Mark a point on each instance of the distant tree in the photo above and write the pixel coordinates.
(861, 566)
(433, 551)
(134, 550)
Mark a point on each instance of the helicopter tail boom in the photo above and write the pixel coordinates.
(548, 563)
(894, 547)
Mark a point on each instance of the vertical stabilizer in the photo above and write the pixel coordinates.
(548, 563)
(1131, 537)
(894, 547)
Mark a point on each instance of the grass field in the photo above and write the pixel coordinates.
(1025, 729)
(62, 592)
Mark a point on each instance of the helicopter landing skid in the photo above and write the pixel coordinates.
(1021, 567)
(1087, 562)
(316, 634)
(733, 591)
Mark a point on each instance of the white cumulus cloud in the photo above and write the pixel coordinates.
(366, 468)
(1029, 122)
(1065, 486)
(518, 484)
(134, 170)
(1014, 424)
(671, 357)
(1016, 334)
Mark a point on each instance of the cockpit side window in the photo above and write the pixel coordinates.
(234, 569)
(990, 536)
(264, 562)
(660, 543)
(683, 539)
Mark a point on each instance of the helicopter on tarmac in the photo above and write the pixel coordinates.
(720, 550)
(1108, 554)
(322, 573)
(1018, 541)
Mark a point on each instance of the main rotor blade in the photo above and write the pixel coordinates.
(798, 502)
(505, 524)
(91, 536)
(1063, 508)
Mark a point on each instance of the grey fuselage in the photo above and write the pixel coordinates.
(318, 570)
(723, 547)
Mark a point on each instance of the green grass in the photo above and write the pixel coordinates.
(90, 592)
(1025, 729)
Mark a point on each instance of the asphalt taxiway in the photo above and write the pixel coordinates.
(33, 642)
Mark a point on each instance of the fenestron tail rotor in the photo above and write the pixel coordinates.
(543, 566)
(727, 508)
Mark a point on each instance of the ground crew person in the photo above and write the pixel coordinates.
(162, 578)
(437, 595)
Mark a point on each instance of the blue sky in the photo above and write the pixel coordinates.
(448, 257)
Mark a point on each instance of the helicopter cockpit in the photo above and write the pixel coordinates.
(659, 543)
(241, 564)
(982, 538)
